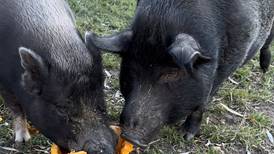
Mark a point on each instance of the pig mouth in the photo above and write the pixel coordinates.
(134, 138)
(90, 147)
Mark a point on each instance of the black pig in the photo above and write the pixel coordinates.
(177, 53)
(50, 77)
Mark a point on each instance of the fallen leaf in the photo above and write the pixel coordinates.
(32, 130)
(218, 149)
(107, 73)
(117, 94)
(231, 111)
(270, 136)
(9, 149)
(233, 81)
(247, 150)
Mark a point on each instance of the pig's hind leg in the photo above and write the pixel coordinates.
(191, 126)
(20, 123)
(265, 53)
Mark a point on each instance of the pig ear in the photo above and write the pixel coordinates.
(114, 43)
(186, 53)
(34, 70)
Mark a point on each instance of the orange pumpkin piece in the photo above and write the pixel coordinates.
(55, 149)
(123, 146)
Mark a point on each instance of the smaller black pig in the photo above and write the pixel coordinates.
(50, 77)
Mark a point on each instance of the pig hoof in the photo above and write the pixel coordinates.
(21, 130)
(189, 136)
(22, 136)
(265, 60)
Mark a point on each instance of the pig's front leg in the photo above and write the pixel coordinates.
(21, 129)
(191, 126)
(20, 123)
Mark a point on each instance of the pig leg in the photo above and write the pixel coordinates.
(191, 126)
(20, 123)
(265, 59)
(21, 129)
(265, 53)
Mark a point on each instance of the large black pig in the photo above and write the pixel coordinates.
(176, 54)
(50, 77)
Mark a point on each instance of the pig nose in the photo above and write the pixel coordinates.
(134, 138)
(95, 149)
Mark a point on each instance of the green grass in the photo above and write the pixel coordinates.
(103, 16)
(111, 61)
(221, 131)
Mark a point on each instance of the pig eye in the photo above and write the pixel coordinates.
(171, 76)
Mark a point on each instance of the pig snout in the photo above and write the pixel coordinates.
(141, 120)
(103, 141)
(134, 138)
(138, 131)
(91, 147)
